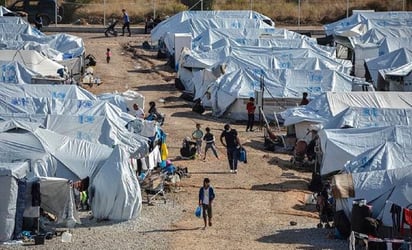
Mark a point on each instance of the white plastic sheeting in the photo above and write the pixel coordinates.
(116, 191)
(76, 159)
(381, 188)
(4, 11)
(327, 105)
(342, 145)
(392, 60)
(10, 91)
(10, 173)
(241, 84)
(360, 17)
(107, 130)
(172, 23)
(196, 26)
(15, 72)
(356, 117)
(33, 60)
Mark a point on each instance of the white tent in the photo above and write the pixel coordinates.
(173, 23)
(381, 189)
(10, 91)
(328, 105)
(400, 79)
(356, 117)
(15, 72)
(63, 156)
(107, 130)
(363, 16)
(342, 145)
(392, 60)
(33, 60)
(282, 89)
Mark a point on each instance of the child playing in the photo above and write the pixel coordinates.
(209, 138)
(197, 135)
(108, 55)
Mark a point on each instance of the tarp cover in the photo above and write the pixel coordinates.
(342, 145)
(327, 105)
(370, 117)
(116, 191)
(172, 23)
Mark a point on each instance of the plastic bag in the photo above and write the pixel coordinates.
(198, 212)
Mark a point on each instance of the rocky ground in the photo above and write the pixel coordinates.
(253, 209)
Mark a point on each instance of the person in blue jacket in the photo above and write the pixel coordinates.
(206, 197)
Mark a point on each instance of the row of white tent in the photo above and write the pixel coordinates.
(65, 132)
(27, 55)
(377, 39)
(367, 136)
(224, 65)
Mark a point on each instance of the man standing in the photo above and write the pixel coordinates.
(206, 197)
(250, 107)
(232, 143)
(126, 22)
(139, 111)
(304, 100)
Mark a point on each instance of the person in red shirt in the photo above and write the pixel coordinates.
(250, 107)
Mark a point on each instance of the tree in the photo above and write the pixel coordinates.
(197, 5)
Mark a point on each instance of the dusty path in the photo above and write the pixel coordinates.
(253, 209)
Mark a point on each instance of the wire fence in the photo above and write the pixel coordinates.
(293, 12)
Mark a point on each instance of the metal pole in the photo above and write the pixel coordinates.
(299, 14)
(104, 13)
(154, 9)
(55, 13)
(251, 4)
(403, 5)
(347, 8)
(201, 5)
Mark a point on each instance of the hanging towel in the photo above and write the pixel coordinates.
(407, 219)
(396, 212)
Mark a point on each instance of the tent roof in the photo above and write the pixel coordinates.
(327, 105)
(173, 24)
(393, 59)
(357, 117)
(342, 145)
(403, 70)
(33, 60)
(17, 170)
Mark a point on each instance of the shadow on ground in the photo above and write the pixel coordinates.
(156, 87)
(287, 164)
(170, 230)
(282, 187)
(310, 238)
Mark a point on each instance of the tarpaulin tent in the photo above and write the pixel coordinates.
(33, 60)
(76, 159)
(10, 91)
(392, 60)
(172, 23)
(282, 89)
(355, 117)
(381, 189)
(342, 145)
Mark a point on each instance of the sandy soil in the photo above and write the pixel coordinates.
(252, 210)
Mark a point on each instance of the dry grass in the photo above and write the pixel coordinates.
(282, 11)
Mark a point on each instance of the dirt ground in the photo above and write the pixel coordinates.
(254, 208)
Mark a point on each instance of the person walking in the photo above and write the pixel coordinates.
(206, 197)
(250, 107)
(108, 55)
(232, 144)
(209, 138)
(197, 135)
(126, 22)
(139, 112)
